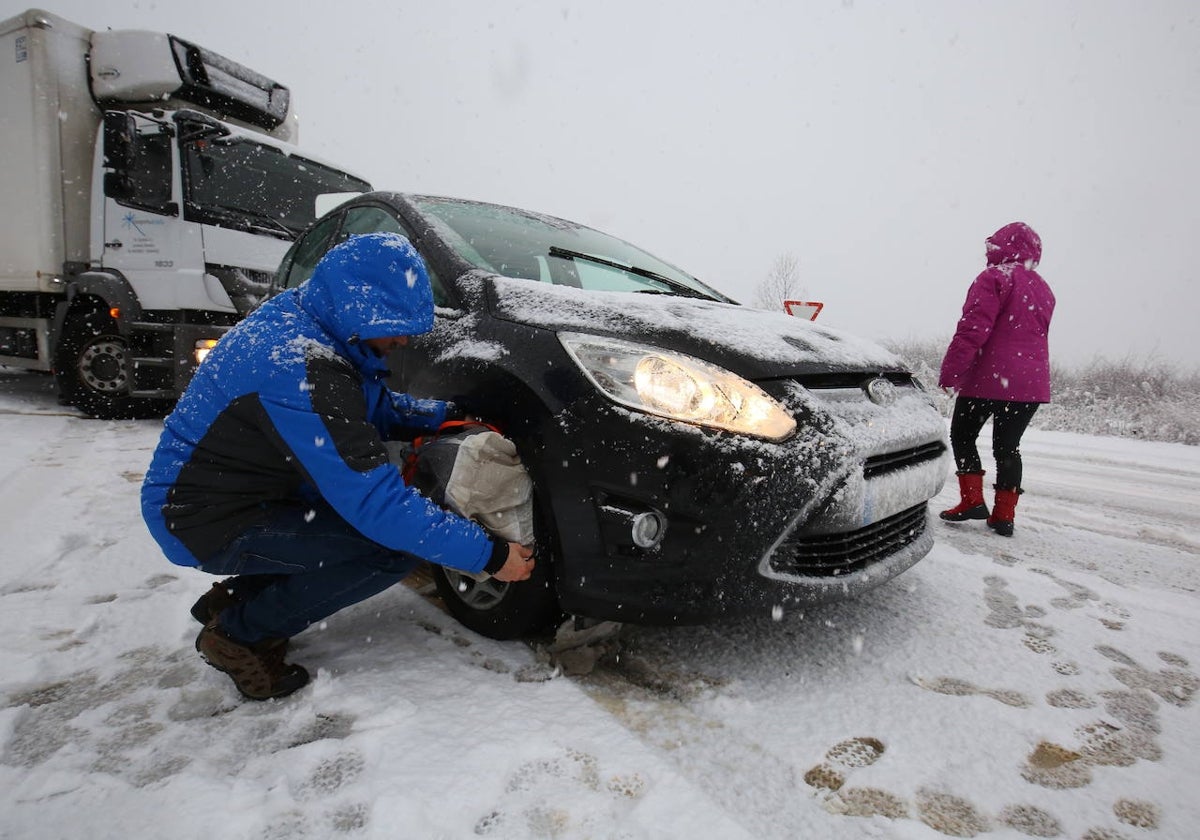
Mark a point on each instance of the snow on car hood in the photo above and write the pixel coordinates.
(751, 342)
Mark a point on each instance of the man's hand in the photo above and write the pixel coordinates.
(518, 566)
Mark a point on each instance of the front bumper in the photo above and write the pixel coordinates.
(750, 525)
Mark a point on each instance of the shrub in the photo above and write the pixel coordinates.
(1132, 397)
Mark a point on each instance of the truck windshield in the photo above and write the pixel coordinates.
(238, 183)
(532, 246)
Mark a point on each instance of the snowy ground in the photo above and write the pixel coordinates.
(1038, 686)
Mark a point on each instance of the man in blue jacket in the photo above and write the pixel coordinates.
(272, 467)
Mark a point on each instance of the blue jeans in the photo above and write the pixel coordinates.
(303, 565)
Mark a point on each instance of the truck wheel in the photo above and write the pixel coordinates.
(503, 610)
(93, 368)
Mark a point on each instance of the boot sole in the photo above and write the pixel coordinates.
(255, 697)
(977, 512)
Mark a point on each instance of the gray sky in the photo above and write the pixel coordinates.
(878, 142)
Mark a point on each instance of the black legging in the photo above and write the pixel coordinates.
(1009, 420)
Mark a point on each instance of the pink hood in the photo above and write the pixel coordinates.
(1016, 242)
(1000, 349)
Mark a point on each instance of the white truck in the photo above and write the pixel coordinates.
(149, 189)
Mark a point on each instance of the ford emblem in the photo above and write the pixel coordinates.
(881, 391)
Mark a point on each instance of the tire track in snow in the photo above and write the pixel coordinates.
(755, 787)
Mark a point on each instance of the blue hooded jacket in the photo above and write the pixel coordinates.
(292, 406)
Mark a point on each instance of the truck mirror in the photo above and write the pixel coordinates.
(118, 186)
(119, 133)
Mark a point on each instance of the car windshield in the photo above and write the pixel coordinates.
(531, 246)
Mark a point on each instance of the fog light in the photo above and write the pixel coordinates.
(647, 529)
(203, 346)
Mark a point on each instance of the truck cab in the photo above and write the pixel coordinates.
(160, 186)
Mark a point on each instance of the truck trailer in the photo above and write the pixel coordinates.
(150, 187)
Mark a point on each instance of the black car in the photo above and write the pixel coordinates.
(691, 457)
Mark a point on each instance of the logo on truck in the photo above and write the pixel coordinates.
(130, 222)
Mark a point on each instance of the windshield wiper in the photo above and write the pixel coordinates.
(266, 221)
(674, 285)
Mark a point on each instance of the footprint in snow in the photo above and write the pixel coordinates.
(536, 783)
(830, 777)
(1176, 684)
(330, 776)
(961, 688)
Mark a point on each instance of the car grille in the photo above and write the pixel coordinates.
(826, 555)
(878, 465)
(851, 379)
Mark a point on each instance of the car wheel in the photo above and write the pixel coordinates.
(502, 610)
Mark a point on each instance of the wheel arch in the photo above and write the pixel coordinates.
(112, 290)
(97, 291)
(527, 414)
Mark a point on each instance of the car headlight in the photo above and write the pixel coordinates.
(677, 386)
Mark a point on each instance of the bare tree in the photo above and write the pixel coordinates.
(781, 283)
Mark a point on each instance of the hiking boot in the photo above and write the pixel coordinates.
(257, 669)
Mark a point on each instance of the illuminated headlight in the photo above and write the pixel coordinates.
(203, 346)
(677, 386)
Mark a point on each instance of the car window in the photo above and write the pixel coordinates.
(367, 220)
(440, 297)
(355, 221)
(309, 251)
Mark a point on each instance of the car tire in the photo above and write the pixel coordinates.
(503, 610)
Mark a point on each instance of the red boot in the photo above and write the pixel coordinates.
(972, 506)
(1003, 512)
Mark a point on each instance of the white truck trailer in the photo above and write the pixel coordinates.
(149, 189)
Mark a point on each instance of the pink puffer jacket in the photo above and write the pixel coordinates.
(1000, 350)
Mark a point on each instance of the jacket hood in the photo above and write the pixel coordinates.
(371, 286)
(1016, 242)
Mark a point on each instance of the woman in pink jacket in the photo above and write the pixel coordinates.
(998, 365)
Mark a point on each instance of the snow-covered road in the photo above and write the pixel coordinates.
(1037, 686)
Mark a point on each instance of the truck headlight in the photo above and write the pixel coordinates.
(203, 346)
(677, 386)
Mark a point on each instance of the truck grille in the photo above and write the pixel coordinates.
(826, 555)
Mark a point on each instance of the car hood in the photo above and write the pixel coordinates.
(753, 343)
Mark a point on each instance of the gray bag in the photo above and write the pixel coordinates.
(475, 472)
